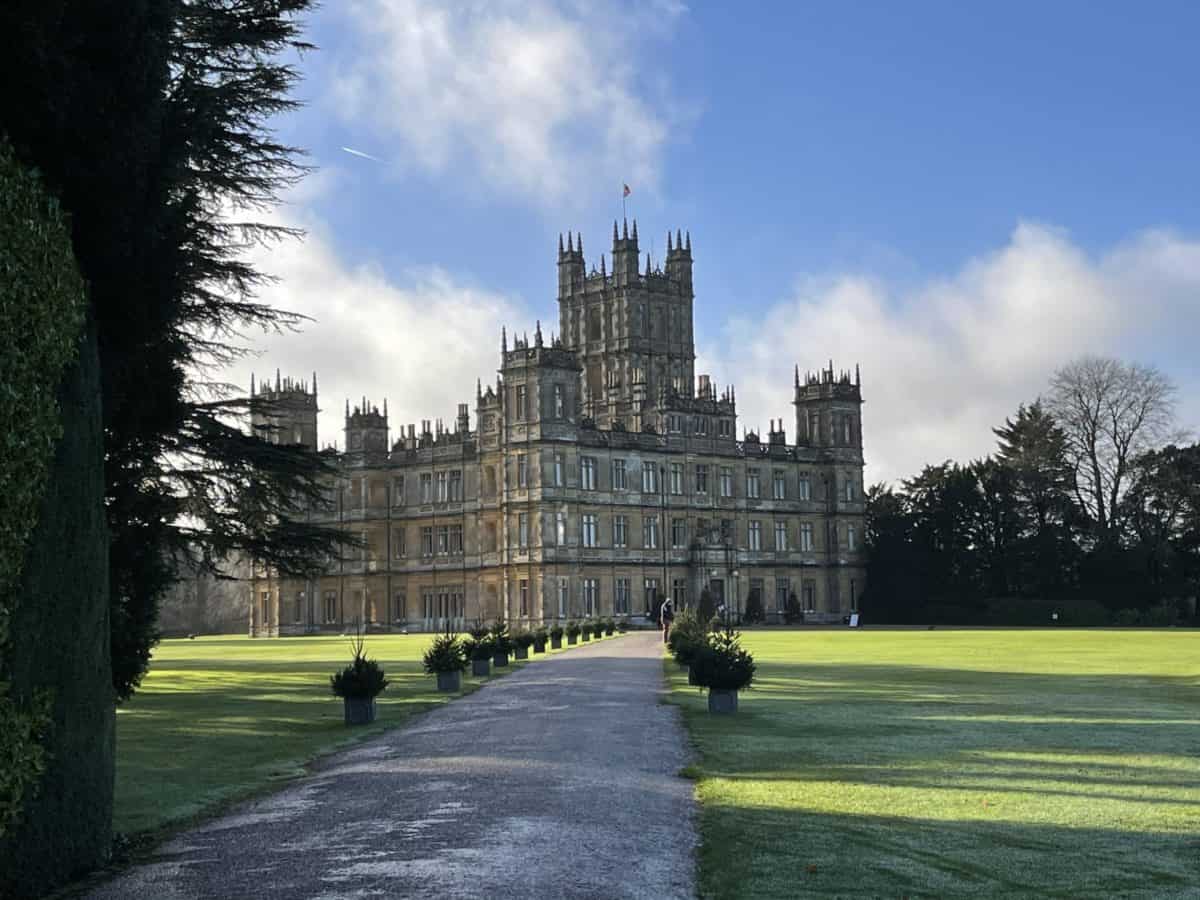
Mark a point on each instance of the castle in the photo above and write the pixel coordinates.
(601, 476)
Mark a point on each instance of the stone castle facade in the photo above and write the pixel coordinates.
(601, 475)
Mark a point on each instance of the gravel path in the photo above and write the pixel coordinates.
(558, 780)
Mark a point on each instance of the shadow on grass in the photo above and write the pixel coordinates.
(893, 780)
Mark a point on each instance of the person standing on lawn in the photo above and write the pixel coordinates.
(666, 616)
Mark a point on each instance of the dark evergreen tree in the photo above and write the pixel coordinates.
(149, 119)
(1034, 448)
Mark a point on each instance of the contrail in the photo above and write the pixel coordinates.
(354, 152)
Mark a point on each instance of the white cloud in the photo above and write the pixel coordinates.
(419, 341)
(542, 99)
(946, 361)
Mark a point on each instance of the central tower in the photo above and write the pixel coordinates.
(631, 328)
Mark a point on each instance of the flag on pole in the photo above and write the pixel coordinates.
(627, 192)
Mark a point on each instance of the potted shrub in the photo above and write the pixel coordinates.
(723, 667)
(609, 627)
(686, 638)
(521, 641)
(358, 685)
(540, 637)
(501, 644)
(556, 636)
(446, 658)
(622, 626)
(585, 630)
(573, 632)
(479, 651)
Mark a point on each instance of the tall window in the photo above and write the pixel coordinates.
(398, 544)
(701, 479)
(523, 530)
(676, 478)
(330, 607)
(619, 530)
(652, 598)
(618, 474)
(848, 488)
(521, 401)
(398, 491)
(523, 591)
(782, 588)
(522, 471)
(456, 540)
(678, 532)
(621, 596)
(649, 478)
(755, 535)
(726, 481)
(779, 485)
(591, 596)
(589, 530)
(442, 483)
(429, 603)
(851, 538)
(426, 487)
(752, 489)
(443, 540)
(426, 541)
(846, 430)
(650, 532)
(455, 486)
(810, 594)
(298, 612)
(587, 473)
(564, 596)
(558, 469)
(679, 592)
(399, 604)
(806, 536)
(804, 488)
(558, 401)
(781, 536)
(560, 529)
(724, 428)
(727, 530)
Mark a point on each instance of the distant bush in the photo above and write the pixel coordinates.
(793, 614)
(687, 637)
(754, 612)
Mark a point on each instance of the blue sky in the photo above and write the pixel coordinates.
(926, 188)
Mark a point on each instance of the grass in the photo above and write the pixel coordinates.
(217, 719)
(954, 763)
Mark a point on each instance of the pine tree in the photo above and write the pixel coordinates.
(149, 120)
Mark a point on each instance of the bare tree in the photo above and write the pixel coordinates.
(1110, 412)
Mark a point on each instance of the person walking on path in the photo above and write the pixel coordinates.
(665, 617)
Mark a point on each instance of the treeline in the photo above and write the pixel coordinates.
(1087, 513)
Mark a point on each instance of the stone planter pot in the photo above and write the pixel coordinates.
(556, 643)
(500, 660)
(539, 648)
(521, 653)
(449, 681)
(481, 668)
(359, 710)
(722, 702)
(572, 639)
(587, 636)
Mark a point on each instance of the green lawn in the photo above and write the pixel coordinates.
(218, 718)
(949, 763)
